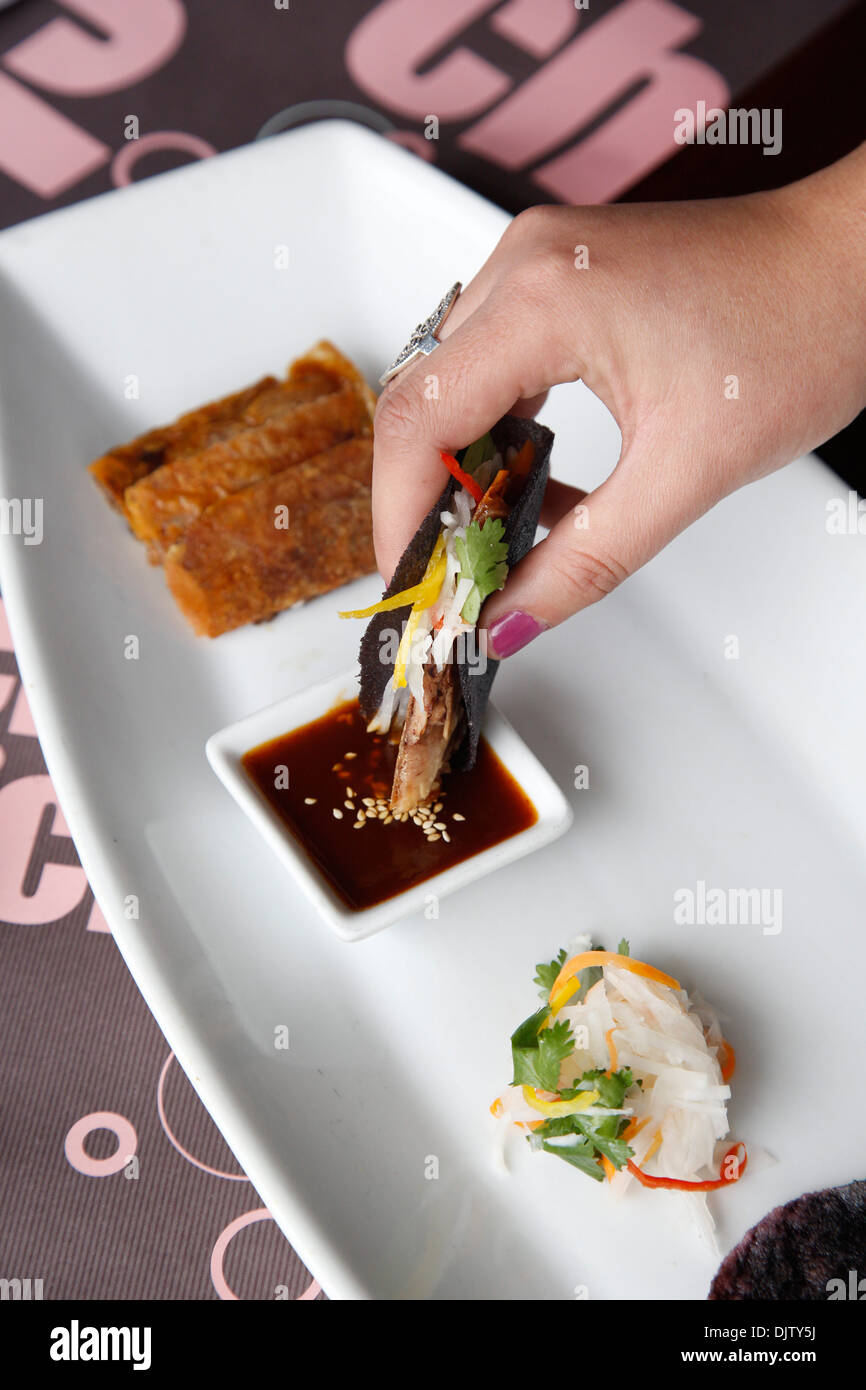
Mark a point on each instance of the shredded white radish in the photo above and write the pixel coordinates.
(671, 1043)
(451, 598)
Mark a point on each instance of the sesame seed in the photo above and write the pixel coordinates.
(350, 791)
(350, 755)
(434, 836)
(446, 837)
(359, 825)
(417, 819)
(438, 825)
(338, 814)
(309, 801)
(388, 819)
(349, 805)
(362, 815)
(336, 767)
(457, 816)
(438, 806)
(367, 801)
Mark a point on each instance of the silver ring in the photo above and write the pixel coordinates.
(423, 340)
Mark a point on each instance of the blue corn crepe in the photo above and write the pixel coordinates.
(799, 1248)
(520, 528)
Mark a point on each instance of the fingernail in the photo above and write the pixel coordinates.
(513, 631)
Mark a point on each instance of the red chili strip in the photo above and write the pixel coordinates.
(465, 479)
(680, 1184)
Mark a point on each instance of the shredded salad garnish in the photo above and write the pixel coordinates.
(468, 563)
(619, 1070)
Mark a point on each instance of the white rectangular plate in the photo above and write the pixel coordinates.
(740, 773)
(225, 751)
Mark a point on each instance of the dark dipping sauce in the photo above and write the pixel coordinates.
(369, 865)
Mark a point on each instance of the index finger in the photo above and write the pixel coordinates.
(445, 401)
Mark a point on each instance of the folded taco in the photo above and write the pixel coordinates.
(424, 677)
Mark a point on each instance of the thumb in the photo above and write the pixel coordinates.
(596, 544)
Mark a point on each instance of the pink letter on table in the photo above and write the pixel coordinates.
(41, 149)
(64, 57)
(628, 45)
(390, 43)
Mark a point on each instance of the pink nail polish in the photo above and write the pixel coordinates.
(513, 631)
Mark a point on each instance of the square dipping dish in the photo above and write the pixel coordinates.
(359, 893)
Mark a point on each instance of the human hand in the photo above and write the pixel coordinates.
(726, 337)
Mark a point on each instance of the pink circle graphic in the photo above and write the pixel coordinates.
(175, 1142)
(127, 1143)
(129, 154)
(217, 1273)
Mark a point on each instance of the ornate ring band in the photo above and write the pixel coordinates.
(423, 341)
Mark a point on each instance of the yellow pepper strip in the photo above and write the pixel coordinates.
(562, 998)
(405, 596)
(386, 605)
(428, 593)
(558, 995)
(560, 1107)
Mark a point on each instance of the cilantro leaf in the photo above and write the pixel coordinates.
(556, 1127)
(604, 1135)
(475, 454)
(554, 1044)
(611, 1089)
(597, 1134)
(545, 975)
(580, 1156)
(623, 947)
(526, 1036)
(538, 1056)
(600, 1136)
(483, 559)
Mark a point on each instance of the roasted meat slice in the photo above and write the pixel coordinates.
(431, 732)
(494, 504)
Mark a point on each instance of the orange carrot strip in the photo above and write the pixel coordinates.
(580, 962)
(634, 1127)
(611, 1047)
(727, 1059)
